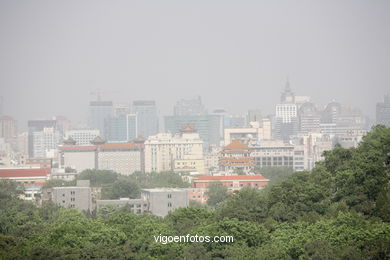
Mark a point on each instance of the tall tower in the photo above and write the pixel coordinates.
(147, 118)
(383, 111)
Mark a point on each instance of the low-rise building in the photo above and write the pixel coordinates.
(137, 206)
(124, 158)
(81, 196)
(32, 180)
(164, 200)
(158, 201)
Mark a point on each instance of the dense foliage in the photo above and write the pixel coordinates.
(339, 210)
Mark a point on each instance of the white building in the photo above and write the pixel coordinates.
(45, 141)
(124, 158)
(249, 135)
(82, 137)
(163, 149)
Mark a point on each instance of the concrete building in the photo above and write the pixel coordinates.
(122, 128)
(45, 141)
(231, 182)
(208, 126)
(286, 115)
(81, 196)
(164, 200)
(32, 180)
(309, 118)
(8, 127)
(249, 135)
(99, 113)
(158, 201)
(383, 111)
(137, 206)
(273, 153)
(190, 163)
(236, 156)
(254, 115)
(124, 158)
(162, 150)
(40, 162)
(82, 136)
(147, 118)
(37, 126)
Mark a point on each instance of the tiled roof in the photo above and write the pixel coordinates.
(119, 146)
(77, 147)
(232, 178)
(9, 173)
(236, 145)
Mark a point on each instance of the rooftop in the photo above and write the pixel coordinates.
(26, 172)
(232, 178)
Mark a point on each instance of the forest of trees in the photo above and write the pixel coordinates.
(339, 210)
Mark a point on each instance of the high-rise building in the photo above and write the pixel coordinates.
(44, 141)
(383, 111)
(37, 126)
(8, 127)
(99, 113)
(147, 118)
(309, 118)
(208, 127)
(122, 128)
(337, 119)
(82, 136)
(254, 115)
(162, 150)
(189, 107)
(286, 118)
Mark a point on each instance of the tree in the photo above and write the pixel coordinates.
(216, 193)
(122, 188)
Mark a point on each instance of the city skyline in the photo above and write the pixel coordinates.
(55, 56)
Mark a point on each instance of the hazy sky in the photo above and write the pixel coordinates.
(235, 54)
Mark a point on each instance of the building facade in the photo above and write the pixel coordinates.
(383, 111)
(162, 150)
(236, 156)
(208, 126)
(147, 118)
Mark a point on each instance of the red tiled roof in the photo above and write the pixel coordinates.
(9, 173)
(236, 145)
(232, 178)
(119, 146)
(77, 147)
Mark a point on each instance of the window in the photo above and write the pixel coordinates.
(169, 196)
(169, 204)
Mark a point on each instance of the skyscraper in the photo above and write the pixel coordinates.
(99, 113)
(383, 111)
(208, 127)
(189, 107)
(8, 127)
(36, 126)
(122, 128)
(147, 119)
(286, 115)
